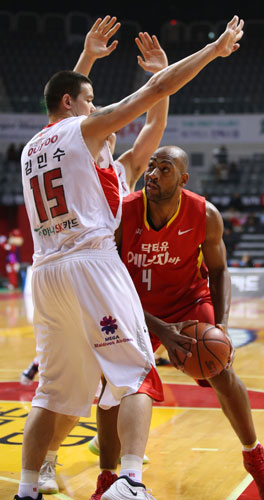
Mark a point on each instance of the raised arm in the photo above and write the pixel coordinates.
(135, 160)
(95, 44)
(100, 124)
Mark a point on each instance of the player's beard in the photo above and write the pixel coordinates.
(158, 194)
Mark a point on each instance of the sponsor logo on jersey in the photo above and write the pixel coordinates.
(183, 232)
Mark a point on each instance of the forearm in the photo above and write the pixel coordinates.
(84, 63)
(220, 289)
(158, 114)
(162, 84)
(148, 140)
(175, 76)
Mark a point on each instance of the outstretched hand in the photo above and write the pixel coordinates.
(227, 43)
(99, 35)
(153, 57)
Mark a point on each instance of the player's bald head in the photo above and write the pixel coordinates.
(177, 155)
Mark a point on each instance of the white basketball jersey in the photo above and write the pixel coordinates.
(72, 203)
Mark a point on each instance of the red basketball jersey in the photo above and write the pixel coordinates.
(166, 265)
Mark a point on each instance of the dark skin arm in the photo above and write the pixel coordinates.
(214, 253)
(170, 336)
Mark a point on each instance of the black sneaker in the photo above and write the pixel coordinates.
(39, 497)
(27, 377)
(163, 362)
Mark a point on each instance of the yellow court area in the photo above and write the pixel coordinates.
(194, 454)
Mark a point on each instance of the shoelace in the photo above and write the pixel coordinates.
(149, 495)
(48, 469)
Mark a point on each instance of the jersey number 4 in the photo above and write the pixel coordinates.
(146, 278)
(51, 193)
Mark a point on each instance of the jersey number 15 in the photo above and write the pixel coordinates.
(51, 193)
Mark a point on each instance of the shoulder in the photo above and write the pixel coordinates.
(195, 201)
(193, 197)
(214, 221)
(211, 211)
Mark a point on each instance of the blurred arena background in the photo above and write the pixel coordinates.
(218, 118)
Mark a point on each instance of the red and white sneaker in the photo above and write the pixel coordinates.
(254, 464)
(104, 481)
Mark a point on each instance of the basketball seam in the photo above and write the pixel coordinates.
(214, 340)
(212, 353)
(210, 327)
(197, 350)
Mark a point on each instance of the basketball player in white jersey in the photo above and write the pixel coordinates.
(132, 163)
(130, 166)
(87, 314)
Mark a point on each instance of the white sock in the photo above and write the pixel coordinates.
(28, 486)
(51, 455)
(251, 447)
(29, 476)
(108, 470)
(28, 490)
(131, 466)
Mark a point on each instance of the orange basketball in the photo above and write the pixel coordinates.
(209, 355)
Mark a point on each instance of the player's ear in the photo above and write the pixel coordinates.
(66, 100)
(184, 179)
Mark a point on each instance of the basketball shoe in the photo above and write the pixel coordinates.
(93, 446)
(104, 481)
(47, 478)
(254, 464)
(27, 376)
(126, 489)
(39, 497)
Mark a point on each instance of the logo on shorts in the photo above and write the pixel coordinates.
(109, 325)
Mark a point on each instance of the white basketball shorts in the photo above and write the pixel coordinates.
(88, 320)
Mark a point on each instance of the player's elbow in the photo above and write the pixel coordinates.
(157, 86)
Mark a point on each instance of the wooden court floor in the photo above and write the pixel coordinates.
(194, 454)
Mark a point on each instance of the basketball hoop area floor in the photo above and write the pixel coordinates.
(194, 454)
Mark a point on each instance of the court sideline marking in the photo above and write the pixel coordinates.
(240, 488)
(60, 496)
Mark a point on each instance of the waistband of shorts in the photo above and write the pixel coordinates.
(84, 254)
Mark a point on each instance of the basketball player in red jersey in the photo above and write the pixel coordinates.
(171, 242)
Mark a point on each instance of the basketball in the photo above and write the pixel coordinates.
(209, 355)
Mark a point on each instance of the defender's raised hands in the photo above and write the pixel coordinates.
(153, 57)
(99, 35)
(95, 44)
(227, 43)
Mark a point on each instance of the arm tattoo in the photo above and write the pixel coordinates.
(111, 108)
